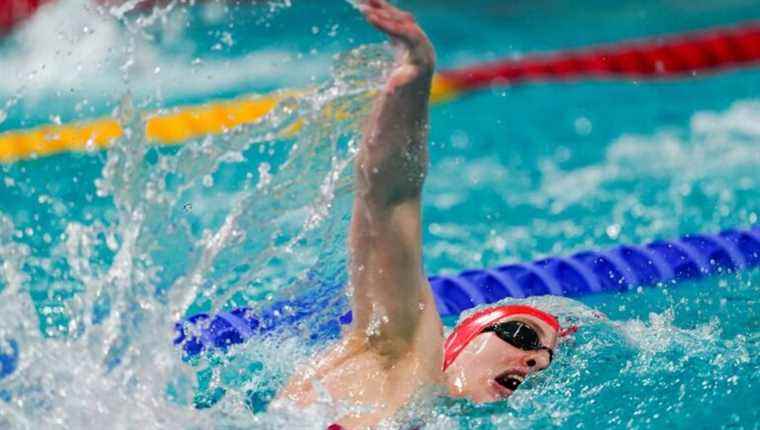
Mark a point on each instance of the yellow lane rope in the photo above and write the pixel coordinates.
(176, 126)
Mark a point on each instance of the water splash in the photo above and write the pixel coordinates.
(184, 229)
(257, 214)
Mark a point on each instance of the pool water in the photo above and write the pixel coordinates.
(100, 253)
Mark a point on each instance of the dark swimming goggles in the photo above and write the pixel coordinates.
(520, 335)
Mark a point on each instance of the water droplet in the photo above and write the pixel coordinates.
(583, 126)
(227, 39)
(613, 231)
(460, 139)
(90, 145)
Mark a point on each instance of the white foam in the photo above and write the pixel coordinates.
(72, 47)
(716, 147)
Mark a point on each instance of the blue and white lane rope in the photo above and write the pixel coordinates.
(617, 269)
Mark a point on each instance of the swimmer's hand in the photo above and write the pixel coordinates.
(416, 58)
(393, 158)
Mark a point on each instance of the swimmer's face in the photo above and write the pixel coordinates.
(489, 369)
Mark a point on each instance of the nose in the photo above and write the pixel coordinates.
(536, 360)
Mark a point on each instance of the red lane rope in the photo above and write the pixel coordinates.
(670, 56)
(13, 11)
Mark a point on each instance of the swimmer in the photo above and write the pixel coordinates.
(395, 346)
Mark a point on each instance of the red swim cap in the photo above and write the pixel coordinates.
(474, 324)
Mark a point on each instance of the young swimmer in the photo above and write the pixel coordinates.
(395, 346)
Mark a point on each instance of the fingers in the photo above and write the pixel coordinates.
(378, 3)
(384, 10)
(396, 23)
(403, 31)
(392, 28)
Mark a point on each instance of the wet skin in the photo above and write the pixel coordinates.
(394, 347)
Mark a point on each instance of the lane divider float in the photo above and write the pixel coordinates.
(659, 58)
(614, 270)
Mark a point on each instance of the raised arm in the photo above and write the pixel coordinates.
(389, 289)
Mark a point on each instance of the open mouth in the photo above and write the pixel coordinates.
(510, 381)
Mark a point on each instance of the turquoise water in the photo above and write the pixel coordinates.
(101, 253)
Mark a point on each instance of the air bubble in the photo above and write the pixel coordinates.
(583, 126)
